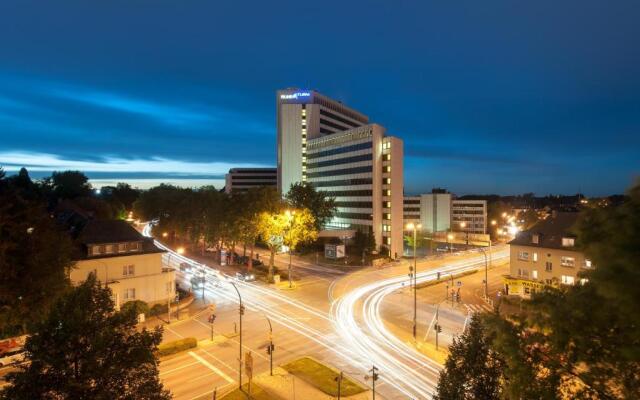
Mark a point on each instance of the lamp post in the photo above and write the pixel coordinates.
(414, 274)
(240, 314)
(463, 225)
(486, 269)
(449, 242)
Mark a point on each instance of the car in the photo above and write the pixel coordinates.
(11, 357)
(245, 276)
(185, 267)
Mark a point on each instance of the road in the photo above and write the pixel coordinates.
(334, 316)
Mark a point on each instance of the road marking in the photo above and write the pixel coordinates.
(201, 395)
(211, 367)
(178, 368)
(173, 331)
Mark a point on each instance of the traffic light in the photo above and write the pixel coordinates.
(438, 328)
(438, 275)
(270, 348)
(241, 309)
(212, 318)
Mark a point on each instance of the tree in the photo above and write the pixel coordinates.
(473, 370)
(303, 195)
(70, 184)
(288, 228)
(35, 257)
(86, 350)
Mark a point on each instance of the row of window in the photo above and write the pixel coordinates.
(354, 204)
(243, 177)
(410, 209)
(564, 279)
(114, 248)
(345, 182)
(346, 160)
(341, 150)
(565, 261)
(338, 172)
(345, 193)
(338, 118)
(368, 217)
(411, 201)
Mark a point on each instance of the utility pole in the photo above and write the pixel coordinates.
(438, 328)
(414, 275)
(203, 282)
(240, 314)
(339, 380)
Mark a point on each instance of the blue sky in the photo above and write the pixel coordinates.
(489, 97)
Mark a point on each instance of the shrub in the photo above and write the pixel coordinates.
(177, 346)
(158, 309)
(135, 306)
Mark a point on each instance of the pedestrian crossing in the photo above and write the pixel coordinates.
(478, 308)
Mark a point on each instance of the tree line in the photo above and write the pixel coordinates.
(208, 218)
(570, 342)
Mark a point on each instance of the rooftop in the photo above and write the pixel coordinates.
(550, 231)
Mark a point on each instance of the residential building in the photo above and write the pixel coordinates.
(546, 254)
(469, 216)
(239, 180)
(124, 260)
(362, 169)
(303, 115)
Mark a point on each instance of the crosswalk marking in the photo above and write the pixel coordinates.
(478, 308)
(211, 367)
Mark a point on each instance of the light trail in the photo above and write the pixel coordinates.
(402, 364)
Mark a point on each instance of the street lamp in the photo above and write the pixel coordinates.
(463, 225)
(180, 250)
(165, 234)
(450, 239)
(240, 313)
(414, 227)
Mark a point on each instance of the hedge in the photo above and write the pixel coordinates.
(177, 346)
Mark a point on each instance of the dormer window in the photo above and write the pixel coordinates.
(568, 242)
(535, 238)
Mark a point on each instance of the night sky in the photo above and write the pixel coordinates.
(489, 96)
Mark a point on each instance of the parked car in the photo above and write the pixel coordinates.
(11, 357)
(245, 276)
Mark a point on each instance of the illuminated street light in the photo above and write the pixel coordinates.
(180, 250)
(165, 234)
(493, 222)
(414, 274)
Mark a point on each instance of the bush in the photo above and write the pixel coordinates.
(135, 306)
(158, 309)
(177, 346)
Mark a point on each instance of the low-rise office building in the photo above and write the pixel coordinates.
(362, 169)
(127, 262)
(469, 216)
(239, 180)
(431, 210)
(545, 255)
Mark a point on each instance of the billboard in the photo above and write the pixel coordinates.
(334, 251)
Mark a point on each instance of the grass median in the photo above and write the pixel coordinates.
(176, 346)
(256, 393)
(322, 377)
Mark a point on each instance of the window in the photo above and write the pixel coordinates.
(387, 240)
(525, 273)
(129, 294)
(568, 280)
(386, 228)
(109, 249)
(386, 181)
(535, 257)
(583, 281)
(386, 192)
(128, 270)
(386, 216)
(534, 274)
(548, 266)
(567, 261)
(386, 145)
(548, 281)
(568, 242)
(386, 168)
(523, 256)
(386, 157)
(122, 247)
(386, 204)
(535, 239)
(134, 246)
(587, 263)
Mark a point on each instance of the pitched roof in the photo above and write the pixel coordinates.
(108, 231)
(550, 231)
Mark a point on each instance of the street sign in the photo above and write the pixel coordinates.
(459, 283)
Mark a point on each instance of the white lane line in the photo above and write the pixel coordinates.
(211, 367)
(177, 368)
(174, 332)
(201, 395)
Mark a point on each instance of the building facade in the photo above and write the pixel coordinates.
(362, 169)
(303, 115)
(412, 211)
(127, 262)
(239, 180)
(469, 216)
(545, 255)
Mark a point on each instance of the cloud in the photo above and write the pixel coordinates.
(475, 154)
(13, 161)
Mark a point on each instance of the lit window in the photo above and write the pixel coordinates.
(535, 239)
(535, 257)
(386, 204)
(386, 145)
(109, 249)
(567, 280)
(387, 168)
(386, 192)
(386, 181)
(567, 261)
(122, 247)
(568, 242)
(386, 157)
(583, 281)
(129, 294)
(534, 274)
(128, 270)
(386, 216)
(386, 228)
(587, 263)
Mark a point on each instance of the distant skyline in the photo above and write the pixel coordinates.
(488, 97)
